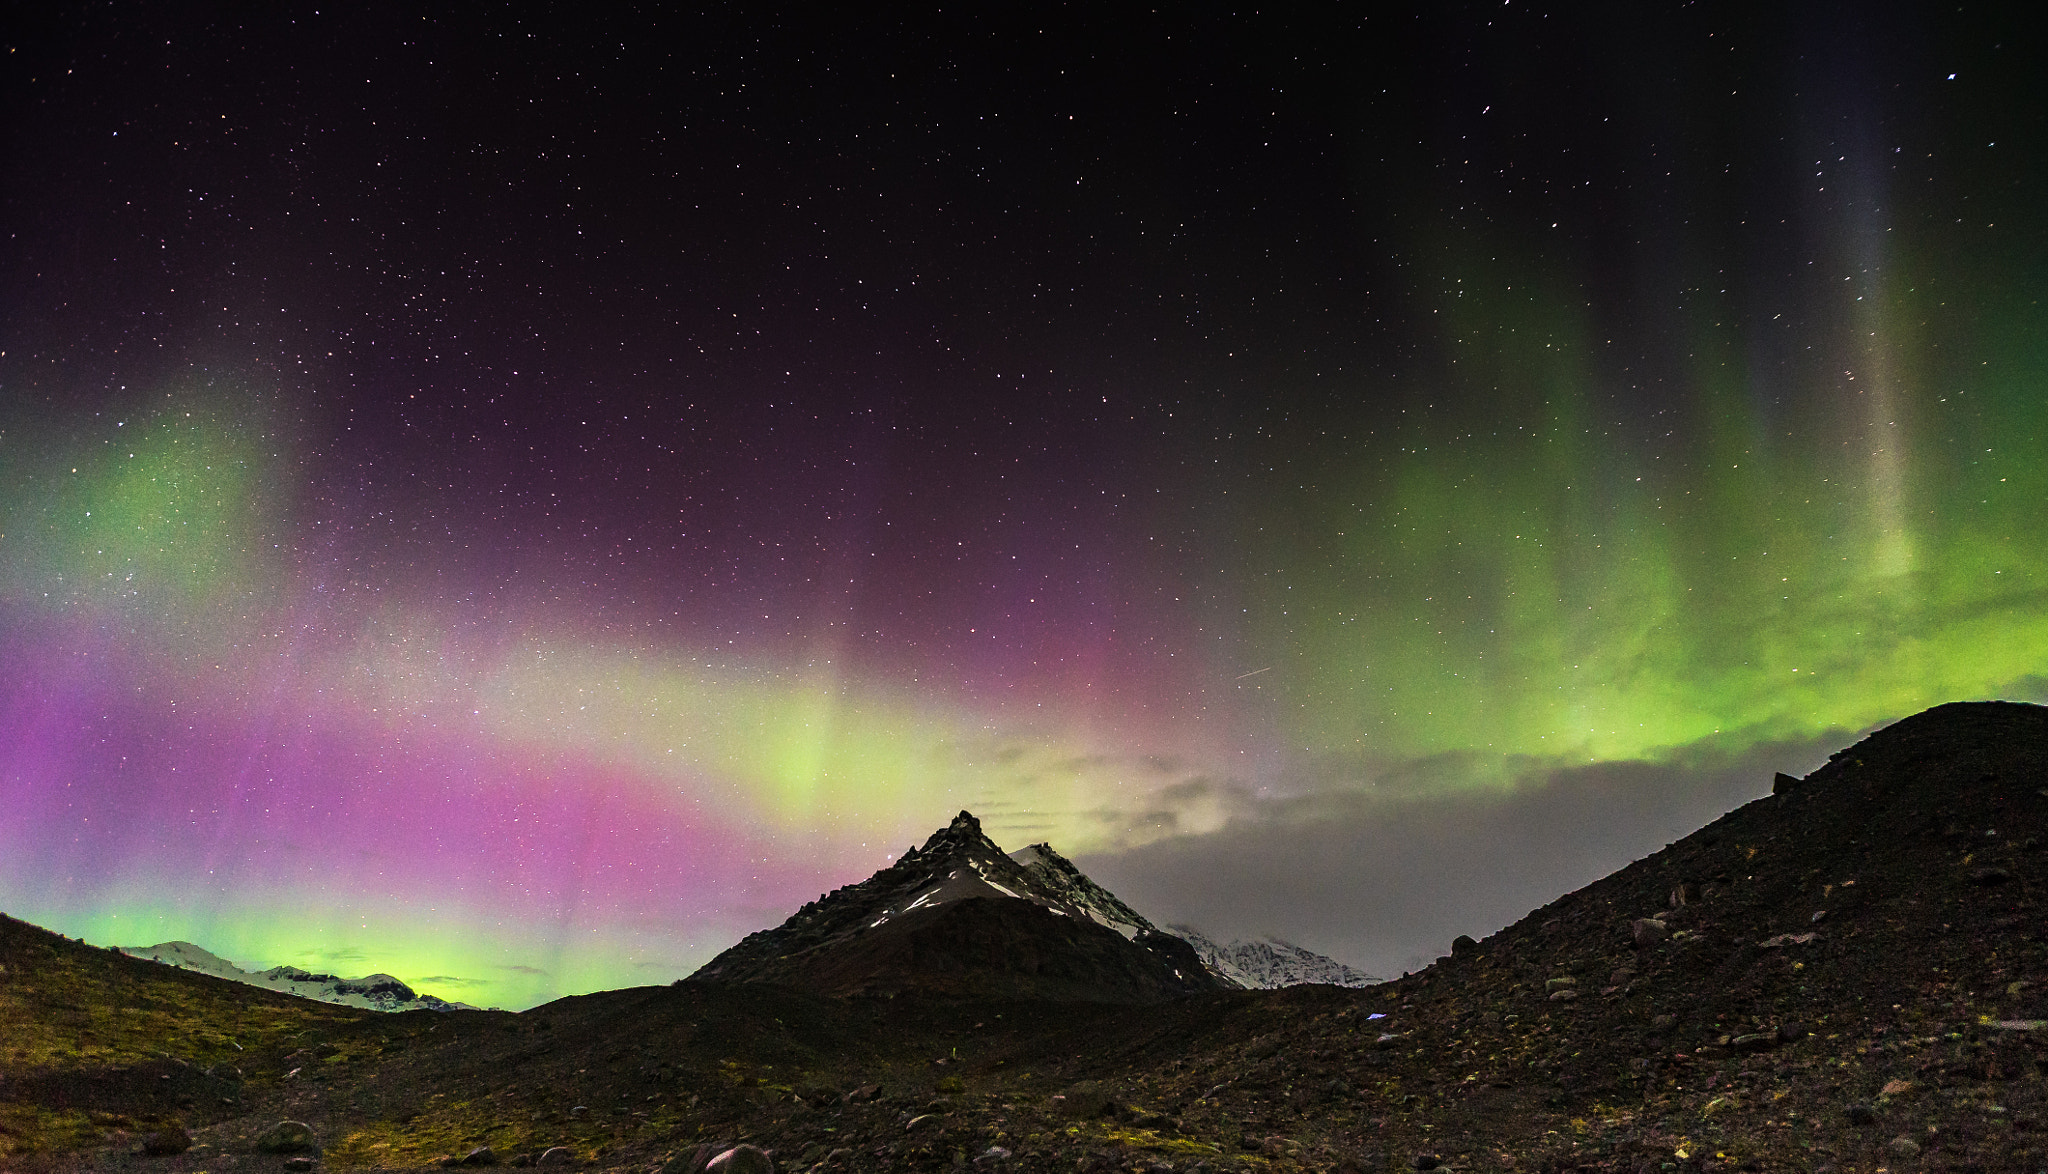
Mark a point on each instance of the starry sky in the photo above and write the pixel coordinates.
(519, 499)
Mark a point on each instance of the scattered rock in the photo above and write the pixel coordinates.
(1792, 1032)
(558, 1155)
(1425, 1161)
(1860, 1113)
(743, 1159)
(1904, 1147)
(482, 1155)
(1684, 894)
(1086, 1099)
(164, 1142)
(287, 1137)
(866, 1092)
(579, 1110)
(1989, 876)
(1758, 1042)
(992, 1155)
(1645, 931)
(920, 1119)
(301, 1162)
(690, 1161)
(1558, 984)
(1564, 995)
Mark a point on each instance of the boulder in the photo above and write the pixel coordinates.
(690, 1161)
(743, 1159)
(1086, 1099)
(164, 1142)
(287, 1137)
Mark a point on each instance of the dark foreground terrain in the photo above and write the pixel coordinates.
(1847, 975)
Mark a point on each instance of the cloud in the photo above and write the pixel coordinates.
(517, 969)
(2033, 688)
(451, 980)
(336, 956)
(1384, 876)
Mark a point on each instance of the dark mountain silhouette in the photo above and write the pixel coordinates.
(958, 917)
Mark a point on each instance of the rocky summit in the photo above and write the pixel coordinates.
(1845, 976)
(960, 918)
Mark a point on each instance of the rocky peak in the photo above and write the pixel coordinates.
(964, 834)
(1032, 914)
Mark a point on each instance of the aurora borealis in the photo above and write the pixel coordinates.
(519, 504)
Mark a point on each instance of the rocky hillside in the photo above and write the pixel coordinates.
(958, 917)
(1849, 972)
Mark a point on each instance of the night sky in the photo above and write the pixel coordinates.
(520, 502)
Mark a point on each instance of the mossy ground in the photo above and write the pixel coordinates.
(33, 1129)
(82, 1007)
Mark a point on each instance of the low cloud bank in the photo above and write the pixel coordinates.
(1385, 884)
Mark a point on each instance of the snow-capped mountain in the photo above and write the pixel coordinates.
(376, 992)
(959, 917)
(1266, 963)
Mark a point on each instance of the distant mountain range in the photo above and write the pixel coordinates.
(376, 992)
(956, 917)
(1269, 963)
(960, 917)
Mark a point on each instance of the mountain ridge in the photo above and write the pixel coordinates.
(1270, 963)
(372, 992)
